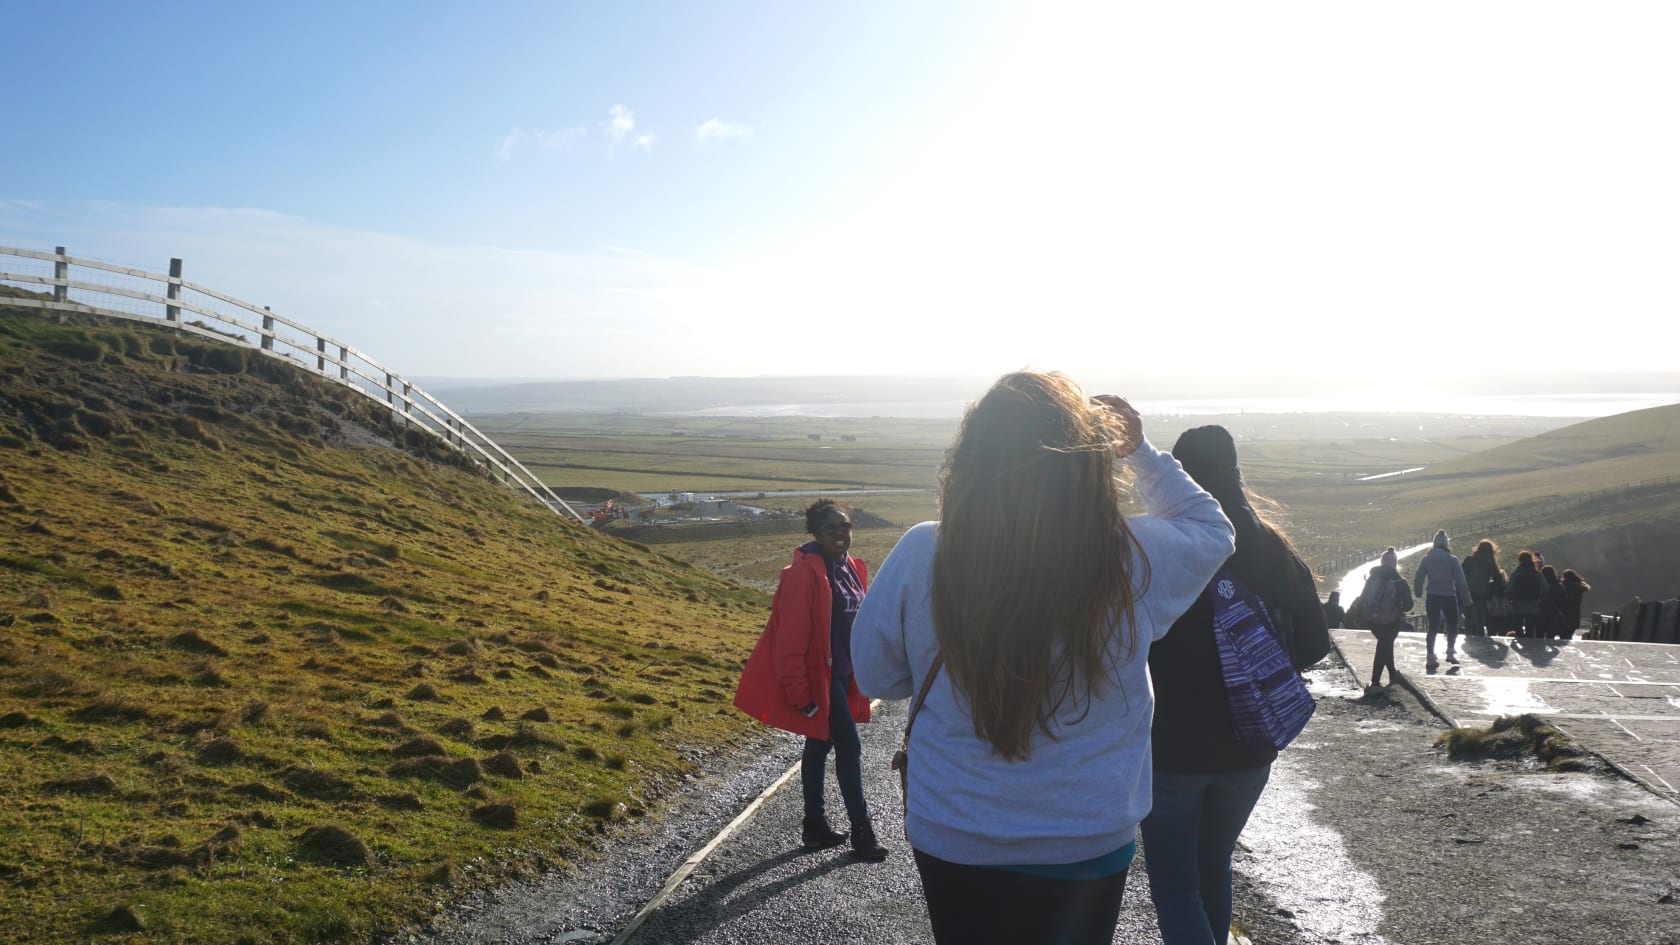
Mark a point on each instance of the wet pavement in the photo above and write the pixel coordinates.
(1620, 700)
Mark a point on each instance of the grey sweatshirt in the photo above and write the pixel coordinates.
(1444, 574)
(1080, 795)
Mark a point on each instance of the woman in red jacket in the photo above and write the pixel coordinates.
(799, 676)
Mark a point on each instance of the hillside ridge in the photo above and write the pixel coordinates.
(275, 669)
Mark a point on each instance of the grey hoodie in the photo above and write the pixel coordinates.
(1445, 575)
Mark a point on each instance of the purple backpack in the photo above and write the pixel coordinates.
(1270, 705)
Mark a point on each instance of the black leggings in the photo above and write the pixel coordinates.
(1385, 653)
(977, 905)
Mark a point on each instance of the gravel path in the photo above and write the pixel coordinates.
(1366, 835)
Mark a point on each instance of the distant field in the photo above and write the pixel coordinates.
(648, 454)
(757, 560)
(1476, 470)
(1314, 477)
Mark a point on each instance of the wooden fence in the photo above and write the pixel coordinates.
(90, 286)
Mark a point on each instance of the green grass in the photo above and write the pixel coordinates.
(211, 645)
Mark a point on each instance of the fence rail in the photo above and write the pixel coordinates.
(93, 287)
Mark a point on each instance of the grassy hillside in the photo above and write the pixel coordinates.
(1570, 493)
(267, 677)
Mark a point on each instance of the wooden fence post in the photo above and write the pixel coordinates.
(321, 355)
(61, 275)
(268, 330)
(171, 312)
(343, 363)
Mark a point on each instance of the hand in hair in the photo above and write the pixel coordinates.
(1128, 425)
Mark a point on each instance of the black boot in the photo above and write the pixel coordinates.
(817, 834)
(864, 844)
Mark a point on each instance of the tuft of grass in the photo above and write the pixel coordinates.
(1524, 737)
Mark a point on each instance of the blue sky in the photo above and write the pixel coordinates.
(650, 189)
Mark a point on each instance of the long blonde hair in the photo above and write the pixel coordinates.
(1033, 575)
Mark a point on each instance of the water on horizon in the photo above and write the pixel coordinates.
(1579, 406)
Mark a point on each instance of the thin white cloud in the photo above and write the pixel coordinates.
(519, 138)
(532, 313)
(622, 122)
(643, 142)
(715, 130)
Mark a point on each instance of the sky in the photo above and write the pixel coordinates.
(1308, 194)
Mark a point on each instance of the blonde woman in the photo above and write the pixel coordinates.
(1030, 756)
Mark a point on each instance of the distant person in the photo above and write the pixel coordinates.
(1025, 616)
(1487, 584)
(1524, 590)
(1383, 604)
(1442, 573)
(799, 677)
(1333, 612)
(1551, 605)
(1574, 589)
(1206, 781)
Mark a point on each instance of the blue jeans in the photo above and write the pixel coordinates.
(848, 759)
(1442, 609)
(1188, 839)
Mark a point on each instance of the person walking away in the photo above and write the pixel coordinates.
(1524, 590)
(1021, 622)
(1487, 583)
(799, 676)
(1447, 588)
(1574, 589)
(1551, 605)
(1333, 612)
(1206, 781)
(1385, 601)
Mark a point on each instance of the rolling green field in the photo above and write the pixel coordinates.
(1538, 479)
(647, 454)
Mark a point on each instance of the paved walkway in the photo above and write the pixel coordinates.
(1622, 700)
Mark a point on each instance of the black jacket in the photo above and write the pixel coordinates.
(1192, 732)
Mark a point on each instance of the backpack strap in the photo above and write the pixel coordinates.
(901, 758)
(927, 683)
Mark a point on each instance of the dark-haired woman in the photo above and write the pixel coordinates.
(1524, 590)
(1574, 589)
(1487, 583)
(1551, 605)
(1206, 781)
(799, 677)
(1027, 612)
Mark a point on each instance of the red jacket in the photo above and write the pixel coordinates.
(791, 666)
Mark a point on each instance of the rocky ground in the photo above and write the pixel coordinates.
(1367, 834)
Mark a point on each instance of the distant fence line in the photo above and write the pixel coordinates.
(124, 292)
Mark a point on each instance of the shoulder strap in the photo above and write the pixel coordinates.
(927, 683)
